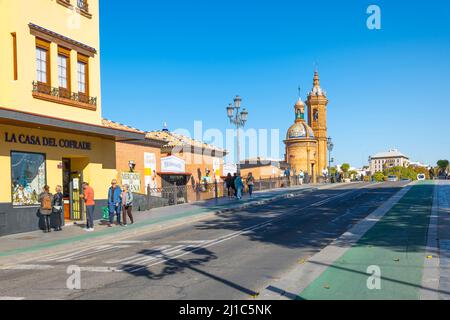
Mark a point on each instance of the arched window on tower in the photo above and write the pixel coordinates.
(316, 115)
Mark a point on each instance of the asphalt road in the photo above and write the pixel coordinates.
(230, 256)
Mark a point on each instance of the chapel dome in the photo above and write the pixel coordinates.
(300, 130)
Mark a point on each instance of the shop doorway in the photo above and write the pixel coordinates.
(313, 173)
(72, 190)
(169, 180)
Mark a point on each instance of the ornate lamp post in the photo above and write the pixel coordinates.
(238, 118)
(330, 146)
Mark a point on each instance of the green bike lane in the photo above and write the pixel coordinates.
(396, 245)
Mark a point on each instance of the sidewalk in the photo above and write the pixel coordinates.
(395, 247)
(22, 246)
(443, 231)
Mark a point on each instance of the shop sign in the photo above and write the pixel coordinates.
(173, 164)
(150, 171)
(133, 180)
(46, 141)
(216, 167)
(229, 168)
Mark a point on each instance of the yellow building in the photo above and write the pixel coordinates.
(51, 129)
(306, 143)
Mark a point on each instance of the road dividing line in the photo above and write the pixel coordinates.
(132, 242)
(100, 269)
(430, 276)
(26, 267)
(11, 298)
(294, 282)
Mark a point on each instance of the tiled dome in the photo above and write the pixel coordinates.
(299, 130)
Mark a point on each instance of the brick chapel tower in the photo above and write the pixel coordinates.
(317, 119)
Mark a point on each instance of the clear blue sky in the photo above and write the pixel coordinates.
(180, 61)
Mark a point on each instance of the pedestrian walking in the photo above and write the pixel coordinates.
(233, 185)
(239, 185)
(58, 208)
(114, 202)
(250, 183)
(229, 185)
(127, 201)
(45, 200)
(301, 177)
(88, 196)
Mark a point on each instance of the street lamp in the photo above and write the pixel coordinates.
(330, 146)
(238, 118)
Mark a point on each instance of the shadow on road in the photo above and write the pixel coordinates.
(171, 265)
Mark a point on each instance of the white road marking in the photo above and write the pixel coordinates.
(85, 253)
(127, 260)
(11, 298)
(132, 242)
(100, 269)
(192, 241)
(26, 267)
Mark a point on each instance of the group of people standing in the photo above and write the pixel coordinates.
(235, 185)
(120, 205)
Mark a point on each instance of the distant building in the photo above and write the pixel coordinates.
(263, 168)
(389, 159)
(419, 164)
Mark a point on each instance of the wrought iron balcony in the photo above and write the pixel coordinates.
(64, 96)
(83, 5)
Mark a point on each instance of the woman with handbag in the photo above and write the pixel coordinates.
(45, 199)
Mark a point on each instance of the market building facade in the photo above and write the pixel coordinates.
(51, 128)
(185, 161)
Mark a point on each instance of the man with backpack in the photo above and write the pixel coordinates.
(46, 208)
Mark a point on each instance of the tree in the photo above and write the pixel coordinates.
(345, 167)
(443, 165)
(378, 177)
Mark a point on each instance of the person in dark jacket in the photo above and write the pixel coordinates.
(229, 184)
(58, 208)
(114, 202)
(233, 185)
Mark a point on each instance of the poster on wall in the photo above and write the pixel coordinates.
(28, 178)
(229, 168)
(133, 180)
(216, 167)
(150, 171)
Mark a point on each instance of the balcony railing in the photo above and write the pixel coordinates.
(62, 95)
(83, 5)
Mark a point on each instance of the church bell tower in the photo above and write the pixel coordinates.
(317, 119)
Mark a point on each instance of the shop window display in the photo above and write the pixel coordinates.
(28, 174)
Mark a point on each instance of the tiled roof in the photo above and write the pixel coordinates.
(116, 125)
(177, 140)
(64, 38)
